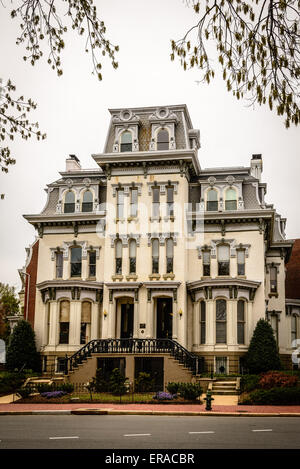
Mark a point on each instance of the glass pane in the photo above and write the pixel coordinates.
(132, 248)
(230, 204)
(169, 247)
(155, 209)
(83, 333)
(230, 194)
(241, 311)
(76, 254)
(223, 268)
(126, 137)
(241, 333)
(87, 196)
(221, 333)
(203, 339)
(170, 209)
(273, 273)
(241, 269)
(69, 208)
(86, 311)
(203, 311)
(223, 253)
(206, 270)
(59, 265)
(221, 310)
(212, 195)
(169, 265)
(64, 333)
(163, 140)
(87, 206)
(126, 147)
(118, 249)
(212, 206)
(64, 315)
(76, 269)
(155, 194)
(119, 265)
(170, 194)
(132, 265)
(155, 265)
(206, 257)
(70, 197)
(155, 248)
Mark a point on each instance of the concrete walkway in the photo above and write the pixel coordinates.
(9, 399)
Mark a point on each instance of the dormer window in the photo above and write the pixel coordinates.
(126, 141)
(69, 206)
(163, 140)
(87, 202)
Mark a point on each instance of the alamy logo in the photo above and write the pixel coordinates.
(296, 353)
(2, 351)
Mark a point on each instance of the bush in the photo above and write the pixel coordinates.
(274, 396)
(173, 387)
(249, 382)
(21, 351)
(262, 354)
(24, 392)
(68, 388)
(190, 391)
(144, 382)
(10, 382)
(44, 387)
(99, 383)
(117, 383)
(275, 379)
(164, 396)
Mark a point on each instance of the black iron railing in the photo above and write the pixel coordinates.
(193, 362)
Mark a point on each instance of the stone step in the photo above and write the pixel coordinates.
(220, 387)
(224, 393)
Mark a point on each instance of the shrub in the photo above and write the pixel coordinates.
(68, 388)
(21, 351)
(274, 396)
(144, 382)
(249, 382)
(24, 392)
(190, 391)
(173, 387)
(117, 383)
(262, 354)
(164, 396)
(10, 382)
(275, 379)
(99, 383)
(44, 387)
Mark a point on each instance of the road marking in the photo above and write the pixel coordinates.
(194, 433)
(265, 430)
(62, 437)
(138, 434)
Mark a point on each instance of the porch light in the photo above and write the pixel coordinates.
(105, 313)
(180, 312)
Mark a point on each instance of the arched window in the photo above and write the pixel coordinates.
(76, 256)
(221, 322)
(118, 255)
(155, 256)
(212, 200)
(230, 200)
(87, 202)
(241, 322)
(126, 141)
(202, 322)
(64, 322)
(163, 140)
(85, 330)
(170, 255)
(223, 259)
(132, 256)
(69, 206)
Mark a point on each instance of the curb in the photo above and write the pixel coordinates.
(88, 411)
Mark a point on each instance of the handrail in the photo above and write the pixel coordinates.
(193, 362)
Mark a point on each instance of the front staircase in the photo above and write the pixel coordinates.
(224, 388)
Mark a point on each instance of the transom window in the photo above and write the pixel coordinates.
(221, 322)
(230, 200)
(126, 141)
(87, 202)
(163, 140)
(69, 206)
(212, 201)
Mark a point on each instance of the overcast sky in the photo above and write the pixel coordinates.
(73, 111)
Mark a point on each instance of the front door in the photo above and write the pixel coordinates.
(126, 321)
(164, 318)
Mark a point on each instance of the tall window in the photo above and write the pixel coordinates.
(221, 322)
(59, 264)
(85, 329)
(126, 141)
(163, 140)
(118, 254)
(212, 200)
(48, 321)
(206, 263)
(170, 201)
(134, 202)
(64, 322)
(155, 202)
(87, 202)
(274, 324)
(241, 261)
(223, 259)
(230, 200)
(120, 203)
(273, 279)
(202, 322)
(241, 322)
(69, 206)
(76, 261)
(92, 264)
(132, 256)
(293, 329)
(170, 255)
(155, 256)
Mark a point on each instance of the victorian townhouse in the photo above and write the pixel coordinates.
(150, 262)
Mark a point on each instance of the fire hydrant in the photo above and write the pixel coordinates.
(208, 400)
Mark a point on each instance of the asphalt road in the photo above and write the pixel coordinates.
(148, 432)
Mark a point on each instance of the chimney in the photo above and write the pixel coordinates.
(73, 163)
(256, 166)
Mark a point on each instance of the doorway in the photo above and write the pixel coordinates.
(126, 321)
(164, 318)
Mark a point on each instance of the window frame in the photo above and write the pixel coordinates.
(221, 321)
(228, 202)
(118, 260)
(155, 259)
(92, 266)
(241, 268)
(73, 264)
(170, 260)
(132, 259)
(241, 322)
(202, 322)
(58, 265)
(223, 265)
(87, 207)
(122, 204)
(164, 142)
(209, 207)
(127, 146)
(69, 205)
